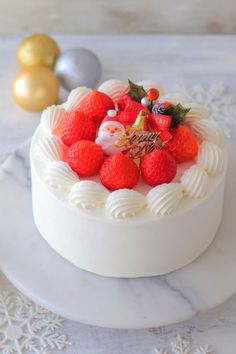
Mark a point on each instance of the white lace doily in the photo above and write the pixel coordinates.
(220, 102)
(26, 327)
(182, 346)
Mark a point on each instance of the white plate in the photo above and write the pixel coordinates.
(41, 274)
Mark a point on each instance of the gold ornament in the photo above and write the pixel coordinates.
(141, 121)
(36, 88)
(36, 50)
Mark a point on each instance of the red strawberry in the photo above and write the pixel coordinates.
(85, 157)
(119, 171)
(77, 126)
(158, 167)
(183, 145)
(123, 99)
(95, 105)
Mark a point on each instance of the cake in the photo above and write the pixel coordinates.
(128, 181)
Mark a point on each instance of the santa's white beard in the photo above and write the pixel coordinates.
(108, 141)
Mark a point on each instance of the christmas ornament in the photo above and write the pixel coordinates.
(177, 112)
(78, 67)
(153, 94)
(35, 88)
(109, 132)
(36, 50)
(145, 101)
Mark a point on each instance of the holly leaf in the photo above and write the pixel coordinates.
(136, 92)
(178, 113)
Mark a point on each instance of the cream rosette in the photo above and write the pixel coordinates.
(113, 88)
(48, 149)
(88, 195)
(124, 203)
(206, 129)
(195, 182)
(51, 117)
(75, 97)
(176, 98)
(60, 176)
(211, 158)
(164, 199)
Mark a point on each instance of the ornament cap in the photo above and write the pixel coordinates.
(141, 121)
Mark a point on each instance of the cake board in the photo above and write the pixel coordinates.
(45, 277)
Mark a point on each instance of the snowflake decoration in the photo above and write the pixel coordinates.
(182, 346)
(220, 103)
(26, 327)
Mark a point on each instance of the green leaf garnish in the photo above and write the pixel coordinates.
(136, 92)
(178, 113)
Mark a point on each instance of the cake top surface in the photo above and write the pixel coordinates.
(129, 147)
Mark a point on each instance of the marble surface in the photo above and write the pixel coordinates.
(174, 59)
(130, 16)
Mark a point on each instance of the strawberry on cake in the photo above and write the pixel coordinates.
(127, 181)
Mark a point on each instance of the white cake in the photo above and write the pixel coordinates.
(137, 232)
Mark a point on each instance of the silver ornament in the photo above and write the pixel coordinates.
(78, 67)
(145, 101)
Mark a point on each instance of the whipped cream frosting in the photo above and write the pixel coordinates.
(59, 175)
(195, 182)
(176, 98)
(51, 117)
(164, 199)
(206, 129)
(196, 112)
(75, 97)
(88, 195)
(113, 88)
(211, 158)
(48, 149)
(124, 203)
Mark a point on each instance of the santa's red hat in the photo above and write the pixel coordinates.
(112, 118)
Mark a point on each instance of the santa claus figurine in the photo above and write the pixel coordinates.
(109, 132)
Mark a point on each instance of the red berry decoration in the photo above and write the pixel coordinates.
(119, 171)
(95, 105)
(183, 145)
(153, 94)
(158, 167)
(77, 126)
(85, 157)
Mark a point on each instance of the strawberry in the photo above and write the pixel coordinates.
(85, 157)
(77, 126)
(158, 167)
(183, 145)
(95, 105)
(123, 99)
(119, 171)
